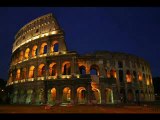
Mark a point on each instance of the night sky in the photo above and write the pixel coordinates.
(131, 30)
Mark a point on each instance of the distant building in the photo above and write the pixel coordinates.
(43, 70)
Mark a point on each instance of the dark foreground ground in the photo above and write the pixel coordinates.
(107, 109)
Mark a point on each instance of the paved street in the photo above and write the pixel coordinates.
(78, 109)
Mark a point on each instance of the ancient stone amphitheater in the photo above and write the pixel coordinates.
(43, 71)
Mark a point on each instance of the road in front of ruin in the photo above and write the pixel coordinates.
(33, 109)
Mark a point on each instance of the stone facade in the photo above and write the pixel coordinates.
(42, 71)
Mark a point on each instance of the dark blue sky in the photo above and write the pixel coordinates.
(132, 30)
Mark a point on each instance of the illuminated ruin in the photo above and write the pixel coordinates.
(44, 71)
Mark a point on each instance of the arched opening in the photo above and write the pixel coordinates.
(82, 70)
(54, 46)
(52, 96)
(107, 73)
(21, 56)
(128, 76)
(66, 68)
(94, 70)
(96, 96)
(34, 51)
(22, 97)
(140, 77)
(109, 96)
(43, 48)
(134, 76)
(130, 95)
(29, 96)
(27, 53)
(52, 69)
(66, 95)
(41, 70)
(39, 96)
(113, 73)
(121, 75)
(81, 95)
(122, 96)
(31, 72)
(18, 74)
(24, 73)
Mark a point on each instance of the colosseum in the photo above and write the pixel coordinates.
(43, 71)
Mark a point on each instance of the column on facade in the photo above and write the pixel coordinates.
(62, 45)
(73, 94)
(48, 46)
(103, 94)
(89, 90)
(59, 65)
(59, 93)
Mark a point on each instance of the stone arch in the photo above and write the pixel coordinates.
(94, 69)
(66, 98)
(31, 72)
(81, 95)
(96, 96)
(34, 51)
(18, 74)
(147, 80)
(113, 73)
(107, 73)
(66, 68)
(54, 46)
(21, 56)
(82, 70)
(128, 76)
(29, 96)
(39, 96)
(43, 48)
(41, 70)
(109, 96)
(53, 69)
(140, 76)
(52, 96)
(26, 55)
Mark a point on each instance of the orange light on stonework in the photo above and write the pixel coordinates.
(128, 78)
(31, 72)
(108, 74)
(140, 76)
(148, 82)
(27, 53)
